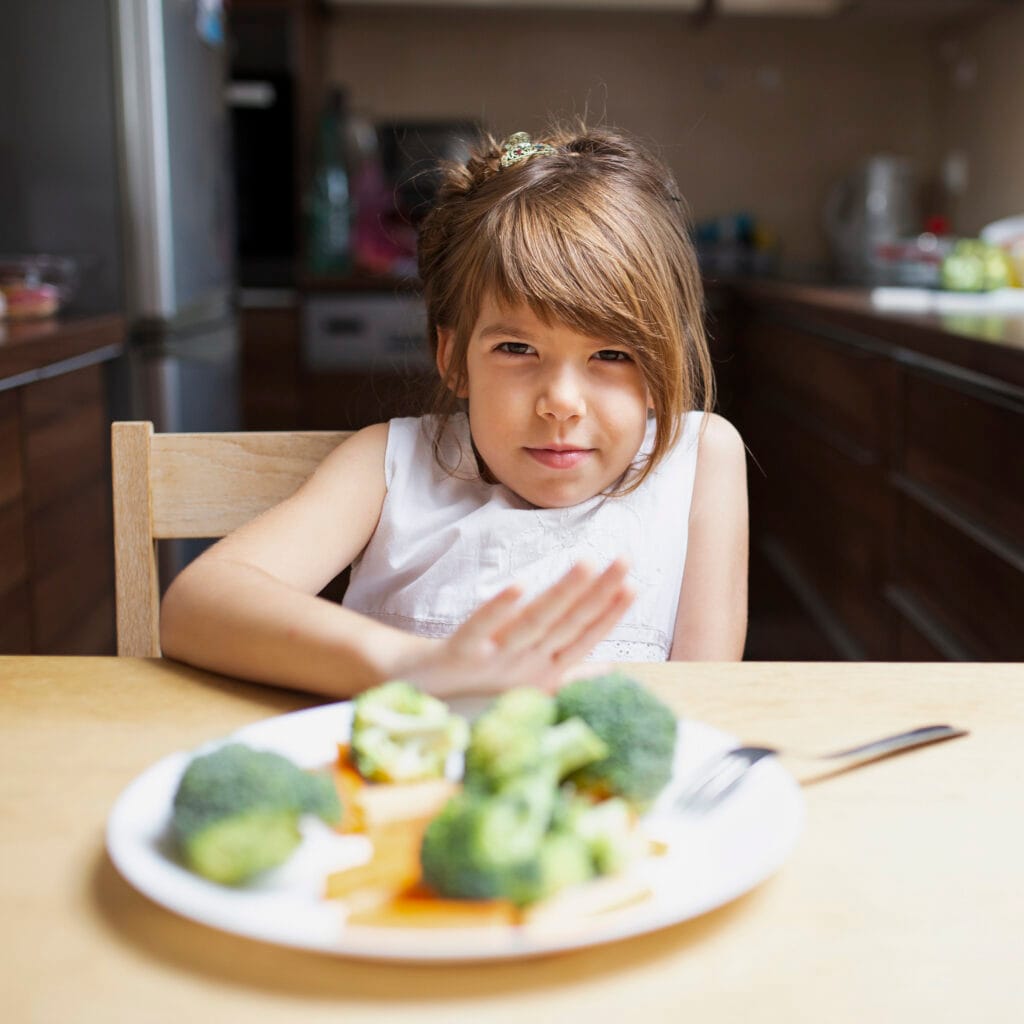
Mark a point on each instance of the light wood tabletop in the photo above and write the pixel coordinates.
(903, 900)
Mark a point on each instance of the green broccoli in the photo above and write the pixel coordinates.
(606, 829)
(500, 846)
(400, 734)
(639, 730)
(517, 735)
(236, 811)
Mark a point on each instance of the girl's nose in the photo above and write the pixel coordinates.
(561, 396)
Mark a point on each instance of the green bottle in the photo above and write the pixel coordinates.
(329, 201)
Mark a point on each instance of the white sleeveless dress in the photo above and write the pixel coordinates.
(448, 541)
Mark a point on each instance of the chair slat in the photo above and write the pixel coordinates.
(192, 485)
(206, 485)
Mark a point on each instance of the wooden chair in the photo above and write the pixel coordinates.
(191, 485)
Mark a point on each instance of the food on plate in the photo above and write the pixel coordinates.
(236, 811)
(400, 734)
(639, 730)
(515, 832)
(368, 806)
(517, 734)
(549, 799)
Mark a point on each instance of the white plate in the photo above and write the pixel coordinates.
(710, 860)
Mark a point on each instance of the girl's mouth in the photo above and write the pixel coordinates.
(560, 458)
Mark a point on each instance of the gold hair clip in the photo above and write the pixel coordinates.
(520, 146)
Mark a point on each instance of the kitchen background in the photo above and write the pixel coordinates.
(216, 287)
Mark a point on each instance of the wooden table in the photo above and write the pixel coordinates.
(904, 900)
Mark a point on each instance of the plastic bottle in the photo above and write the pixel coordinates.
(329, 200)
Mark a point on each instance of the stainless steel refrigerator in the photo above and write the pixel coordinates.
(114, 149)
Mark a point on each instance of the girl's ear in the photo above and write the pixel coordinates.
(445, 346)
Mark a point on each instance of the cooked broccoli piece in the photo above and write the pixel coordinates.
(505, 740)
(517, 734)
(501, 845)
(564, 859)
(400, 734)
(606, 829)
(484, 846)
(639, 729)
(513, 833)
(236, 811)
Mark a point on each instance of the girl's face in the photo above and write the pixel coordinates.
(556, 416)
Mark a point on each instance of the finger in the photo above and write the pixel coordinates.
(588, 606)
(489, 618)
(595, 630)
(535, 620)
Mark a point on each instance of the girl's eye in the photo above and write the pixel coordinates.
(515, 348)
(613, 355)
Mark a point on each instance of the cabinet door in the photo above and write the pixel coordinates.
(270, 368)
(67, 499)
(15, 622)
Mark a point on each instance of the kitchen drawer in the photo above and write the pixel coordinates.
(913, 645)
(58, 397)
(971, 592)
(967, 449)
(841, 391)
(11, 481)
(781, 627)
(270, 368)
(13, 562)
(802, 494)
(16, 622)
(81, 519)
(94, 633)
(65, 453)
(66, 596)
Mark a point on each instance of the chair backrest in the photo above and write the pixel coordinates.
(191, 485)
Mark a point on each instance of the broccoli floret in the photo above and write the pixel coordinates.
(500, 846)
(564, 859)
(486, 846)
(506, 739)
(639, 729)
(236, 811)
(517, 735)
(513, 833)
(607, 831)
(400, 734)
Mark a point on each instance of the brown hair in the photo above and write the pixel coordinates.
(594, 236)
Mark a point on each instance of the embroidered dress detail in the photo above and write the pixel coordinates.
(447, 541)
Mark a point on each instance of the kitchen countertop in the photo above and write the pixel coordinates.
(987, 344)
(35, 349)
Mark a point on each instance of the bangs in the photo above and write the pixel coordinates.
(568, 265)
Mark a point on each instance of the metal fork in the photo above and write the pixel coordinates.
(720, 776)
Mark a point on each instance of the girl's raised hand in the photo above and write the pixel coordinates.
(506, 643)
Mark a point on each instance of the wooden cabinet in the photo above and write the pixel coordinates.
(270, 367)
(56, 526)
(886, 488)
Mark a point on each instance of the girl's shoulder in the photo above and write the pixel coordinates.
(721, 466)
(360, 455)
(719, 439)
(705, 436)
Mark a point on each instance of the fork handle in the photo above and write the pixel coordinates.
(894, 744)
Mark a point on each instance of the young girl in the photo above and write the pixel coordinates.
(571, 495)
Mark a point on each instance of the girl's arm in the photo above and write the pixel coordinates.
(711, 623)
(247, 606)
